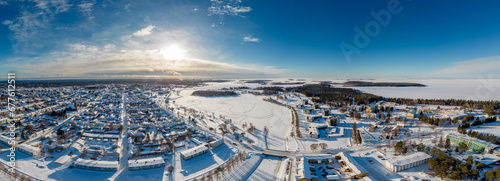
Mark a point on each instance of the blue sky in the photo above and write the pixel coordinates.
(249, 38)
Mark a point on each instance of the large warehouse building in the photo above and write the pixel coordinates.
(406, 162)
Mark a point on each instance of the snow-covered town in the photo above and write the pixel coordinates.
(242, 130)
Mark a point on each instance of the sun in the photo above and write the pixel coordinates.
(173, 52)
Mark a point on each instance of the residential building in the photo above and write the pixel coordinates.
(194, 152)
(146, 163)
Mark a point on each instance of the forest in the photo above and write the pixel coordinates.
(325, 94)
(381, 84)
(210, 93)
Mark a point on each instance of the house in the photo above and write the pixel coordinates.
(332, 121)
(370, 109)
(410, 114)
(78, 146)
(304, 171)
(216, 143)
(313, 131)
(335, 132)
(313, 118)
(307, 111)
(325, 112)
(63, 159)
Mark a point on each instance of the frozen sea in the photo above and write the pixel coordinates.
(469, 89)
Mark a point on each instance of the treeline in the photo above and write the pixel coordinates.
(356, 135)
(486, 137)
(434, 121)
(210, 93)
(480, 122)
(61, 114)
(270, 90)
(263, 82)
(487, 106)
(236, 88)
(462, 128)
(295, 120)
(323, 94)
(287, 83)
(381, 84)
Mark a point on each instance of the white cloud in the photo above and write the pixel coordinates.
(478, 66)
(145, 31)
(227, 7)
(46, 6)
(4, 3)
(7, 22)
(112, 62)
(127, 6)
(86, 8)
(251, 39)
(34, 20)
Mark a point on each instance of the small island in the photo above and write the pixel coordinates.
(213, 93)
(262, 82)
(381, 84)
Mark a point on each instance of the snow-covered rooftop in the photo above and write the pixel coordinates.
(195, 150)
(96, 164)
(403, 160)
(146, 162)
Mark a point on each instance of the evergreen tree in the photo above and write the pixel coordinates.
(447, 144)
(359, 138)
(440, 144)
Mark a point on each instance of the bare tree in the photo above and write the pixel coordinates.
(323, 146)
(314, 147)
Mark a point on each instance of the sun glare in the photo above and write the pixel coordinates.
(173, 52)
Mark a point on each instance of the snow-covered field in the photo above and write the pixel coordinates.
(244, 108)
(488, 128)
(267, 170)
(189, 169)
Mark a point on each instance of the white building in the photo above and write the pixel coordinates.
(146, 163)
(336, 132)
(357, 169)
(5, 140)
(216, 143)
(313, 131)
(28, 149)
(63, 159)
(314, 118)
(96, 165)
(304, 171)
(194, 152)
(78, 146)
(406, 162)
